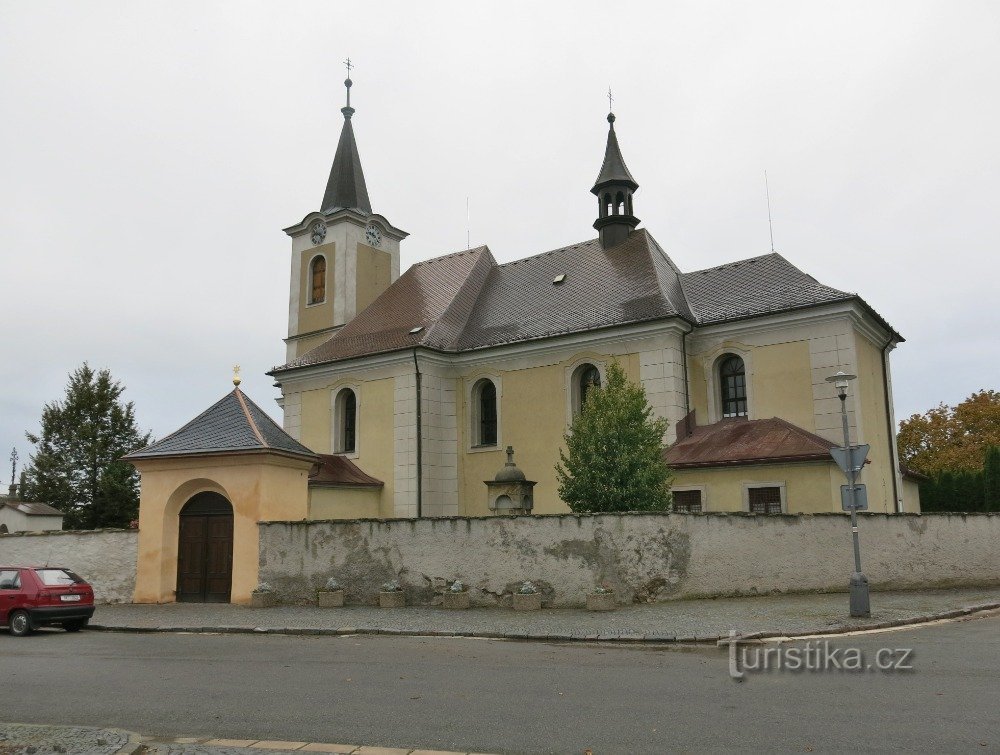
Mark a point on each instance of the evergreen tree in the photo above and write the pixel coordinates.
(991, 479)
(614, 452)
(76, 465)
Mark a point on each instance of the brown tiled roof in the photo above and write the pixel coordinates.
(465, 301)
(335, 471)
(33, 508)
(732, 442)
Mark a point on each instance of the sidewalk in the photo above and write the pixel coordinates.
(677, 621)
(31, 739)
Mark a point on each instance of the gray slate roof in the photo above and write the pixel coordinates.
(466, 301)
(346, 186)
(613, 169)
(234, 424)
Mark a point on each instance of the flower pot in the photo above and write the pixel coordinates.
(456, 600)
(263, 599)
(527, 602)
(394, 599)
(330, 598)
(601, 601)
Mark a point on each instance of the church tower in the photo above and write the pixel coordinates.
(343, 256)
(614, 188)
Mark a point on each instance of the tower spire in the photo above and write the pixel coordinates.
(346, 188)
(614, 189)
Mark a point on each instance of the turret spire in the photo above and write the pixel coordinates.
(346, 186)
(614, 188)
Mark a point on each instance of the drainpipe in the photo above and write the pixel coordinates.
(684, 358)
(416, 369)
(893, 451)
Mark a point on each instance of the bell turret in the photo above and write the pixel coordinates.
(614, 189)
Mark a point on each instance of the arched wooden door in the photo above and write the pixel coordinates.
(205, 550)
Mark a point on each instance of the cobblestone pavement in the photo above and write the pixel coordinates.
(31, 739)
(28, 739)
(686, 620)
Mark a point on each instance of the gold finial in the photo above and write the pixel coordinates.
(236, 375)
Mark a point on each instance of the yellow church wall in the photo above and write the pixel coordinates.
(315, 316)
(698, 389)
(878, 475)
(532, 418)
(344, 503)
(809, 487)
(781, 387)
(375, 432)
(259, 487)
(374, 274)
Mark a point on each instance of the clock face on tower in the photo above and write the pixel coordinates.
(318, 231)
(373, 235)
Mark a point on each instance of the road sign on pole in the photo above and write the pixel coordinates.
(859, 502)
(850, 458)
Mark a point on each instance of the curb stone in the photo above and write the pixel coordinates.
(622, 637)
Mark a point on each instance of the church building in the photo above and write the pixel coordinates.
(402, 394)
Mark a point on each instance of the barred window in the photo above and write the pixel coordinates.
(765, 500)
(732, 376)
(687, 501)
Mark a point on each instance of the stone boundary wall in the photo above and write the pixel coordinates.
(644, 557)
(105, 558)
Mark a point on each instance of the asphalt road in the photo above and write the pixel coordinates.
(496, 696)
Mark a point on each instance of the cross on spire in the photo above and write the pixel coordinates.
(349, 65)
(347, 83)
(610, 98)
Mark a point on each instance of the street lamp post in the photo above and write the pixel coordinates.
(860, 605)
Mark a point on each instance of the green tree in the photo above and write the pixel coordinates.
(614, 452)
(991, 479)
(76, 465)
(951, 438)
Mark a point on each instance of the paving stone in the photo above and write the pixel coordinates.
(268, 745)
(24, 739)
(326, 747)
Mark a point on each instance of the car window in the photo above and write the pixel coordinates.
(57, 577)
(10, 579)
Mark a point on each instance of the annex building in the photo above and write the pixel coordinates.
(401, 393)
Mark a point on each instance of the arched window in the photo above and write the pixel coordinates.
(607, 205)
(3, 529)
(484, 413)
(317, 276)
(586, 378)
(346, 418)
(733, 381)
(619, 203)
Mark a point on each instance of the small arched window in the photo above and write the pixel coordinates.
(586, 378)
(484, 397)
(346, 415)
(619, 204)
(607, 205)
(317, 276)
(733, 380)
(3, 529)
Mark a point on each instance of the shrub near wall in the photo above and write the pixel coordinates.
(105, 558)
(643, 557)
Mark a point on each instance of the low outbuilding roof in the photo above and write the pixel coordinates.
(33, 508)
(334, 470)
(739, 441)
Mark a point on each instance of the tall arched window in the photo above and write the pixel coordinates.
(733, 380)
(317, 276)
(484, 431)
(346, 418)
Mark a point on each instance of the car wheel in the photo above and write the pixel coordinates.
(74, 626)
(20, 623)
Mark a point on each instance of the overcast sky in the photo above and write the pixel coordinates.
(151, 153)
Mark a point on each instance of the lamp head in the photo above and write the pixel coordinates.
(840, 381)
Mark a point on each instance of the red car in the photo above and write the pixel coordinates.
(38, 596)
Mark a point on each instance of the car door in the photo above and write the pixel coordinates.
(10, 590)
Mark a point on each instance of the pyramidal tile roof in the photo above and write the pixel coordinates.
(234, 424)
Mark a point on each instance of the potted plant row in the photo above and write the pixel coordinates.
(601, 599)
(263, 596)
(526, 598)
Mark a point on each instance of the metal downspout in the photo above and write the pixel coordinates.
(416, 368)
(893, 450)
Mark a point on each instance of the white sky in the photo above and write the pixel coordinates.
(150, 154)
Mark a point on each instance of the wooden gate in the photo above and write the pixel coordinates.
(205, 550)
